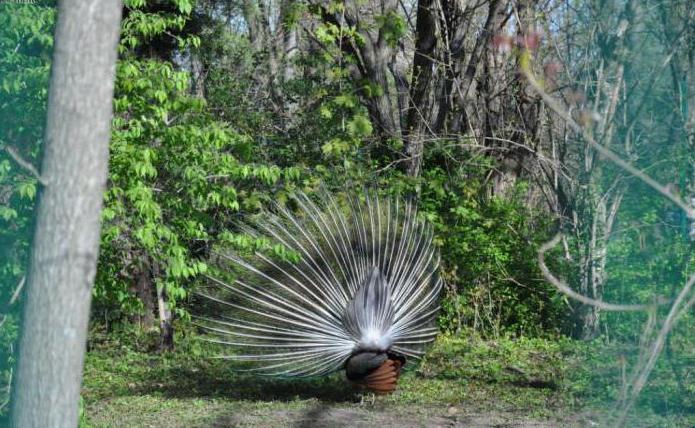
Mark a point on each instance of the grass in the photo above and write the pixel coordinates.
(462, 382)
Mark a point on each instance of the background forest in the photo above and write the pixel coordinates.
(223, 108)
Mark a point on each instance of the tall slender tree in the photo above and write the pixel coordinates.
(66, 240)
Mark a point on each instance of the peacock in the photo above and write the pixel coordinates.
(358, 290)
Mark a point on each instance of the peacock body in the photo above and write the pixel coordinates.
(362, 295)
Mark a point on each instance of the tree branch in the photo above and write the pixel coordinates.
(26, 165)
(565, 289)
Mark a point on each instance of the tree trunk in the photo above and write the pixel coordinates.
(593, 240)
(198, 76)
(418, 119)
(166, 325)
(66, 240)
(256, 21)
(145, 293)
(290, 41)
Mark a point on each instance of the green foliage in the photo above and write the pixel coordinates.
(601, 370)
(502, 360)
(229, 80)
(141, 25)
(489, 247)
(649, 256)
(392, 27)
(331, 125)
(177, 176)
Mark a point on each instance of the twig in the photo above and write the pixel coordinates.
(15, 295)
(565, 289)
(26, 165)
(658, 345)
(13, 299)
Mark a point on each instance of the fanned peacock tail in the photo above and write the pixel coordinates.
(365, 284)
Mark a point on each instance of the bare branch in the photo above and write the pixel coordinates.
(15, 295)
(25, 164)
(565, 289)
(677, 309)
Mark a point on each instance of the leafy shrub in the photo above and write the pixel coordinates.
(489, 250)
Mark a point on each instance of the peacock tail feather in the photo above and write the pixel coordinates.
(365, 280)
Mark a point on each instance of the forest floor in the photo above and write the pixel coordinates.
(461, 383)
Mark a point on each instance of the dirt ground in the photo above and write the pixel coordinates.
(313, 413)
(327, 417)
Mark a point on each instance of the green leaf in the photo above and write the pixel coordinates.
(359, 126)
(27, 189)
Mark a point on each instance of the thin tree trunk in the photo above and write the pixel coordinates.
(256, 20)
(290, 40)
(417, 121)
(66, 239)
(166, 325)
(199, 74)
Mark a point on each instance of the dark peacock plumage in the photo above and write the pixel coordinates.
(362, 297)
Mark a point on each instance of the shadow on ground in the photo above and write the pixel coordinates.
(212, 382)
(318, 416)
